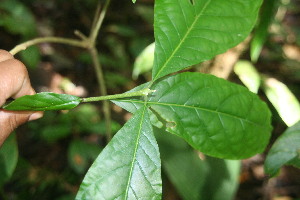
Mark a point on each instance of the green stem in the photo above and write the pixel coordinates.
(25, 45)
(143, 92)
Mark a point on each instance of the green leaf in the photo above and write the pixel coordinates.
(248, 75)
(144, 62)
(261, 31)
(44, 101)
(285, 151)
(182, 165)
(215, 116)
(188, 32)
(17, 18)
(284, 101)
(133, 1)
(31, 57)
(128, 167)
(8, 158)
(194, 178)
(222, 179)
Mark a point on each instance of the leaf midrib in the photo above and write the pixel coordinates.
(182, 40)
(135, 152)
(193, 107)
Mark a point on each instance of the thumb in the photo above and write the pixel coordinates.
(10, 120)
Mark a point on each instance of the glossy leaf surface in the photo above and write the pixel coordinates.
(44, 101)
(188, 32)
(285, 151)
(215, 116)
(128, 167)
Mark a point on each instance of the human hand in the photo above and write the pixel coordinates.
(14, 83)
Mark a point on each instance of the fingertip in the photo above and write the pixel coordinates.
(5, 55)
(35, 116)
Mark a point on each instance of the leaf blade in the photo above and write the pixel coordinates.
(186, 33)
(44, 101)
(215, 116)
(120, 163)
(285, 151)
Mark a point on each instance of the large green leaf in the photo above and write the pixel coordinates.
(190, 31)
(128, 167)
(44, 101)
(285, 151)
(215, 116)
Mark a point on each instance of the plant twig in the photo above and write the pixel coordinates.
(103, 91)
(96, 27)
(25, 45)
(98, 20)
(143, 92)
(87, 43)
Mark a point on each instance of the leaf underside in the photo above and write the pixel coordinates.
(129, 166)
(215, 116)
(44, 101)
(285, 151)
(187, 33)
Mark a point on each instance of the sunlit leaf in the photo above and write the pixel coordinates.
(215, 116)
(8, 158)
(248, 75)
(128, 167)
(144, 62)
(44, 101)
(285, 151)
(283, 100)
(188, 32)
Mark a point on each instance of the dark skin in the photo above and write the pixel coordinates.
(14, 83)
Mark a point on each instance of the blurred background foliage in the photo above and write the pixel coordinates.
(48, 158)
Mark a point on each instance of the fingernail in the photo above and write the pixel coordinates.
(35, 116)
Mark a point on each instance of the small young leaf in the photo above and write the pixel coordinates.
(284, 101)
(128, 167)
(44, 101)
(144, 62)
(188, 33)
(215, 116)
(285, 151)
(248, 75)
